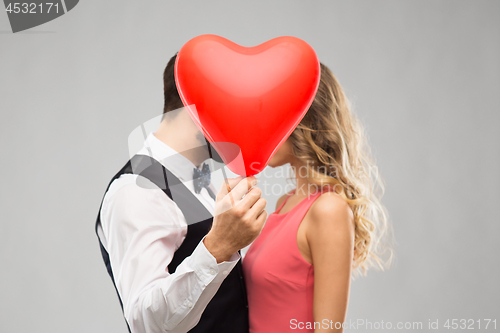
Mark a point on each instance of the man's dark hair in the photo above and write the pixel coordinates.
(172, 99)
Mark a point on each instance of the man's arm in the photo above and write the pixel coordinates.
(142, 229)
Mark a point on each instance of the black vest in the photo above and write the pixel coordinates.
(228, 309)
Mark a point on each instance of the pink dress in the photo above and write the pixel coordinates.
(279, 281)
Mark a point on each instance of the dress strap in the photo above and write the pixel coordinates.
(283, 203)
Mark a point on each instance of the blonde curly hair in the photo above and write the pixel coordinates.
(331, 141)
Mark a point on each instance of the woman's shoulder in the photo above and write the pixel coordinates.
(330, 234)
(332, 210)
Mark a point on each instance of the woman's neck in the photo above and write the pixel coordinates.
(301, 172)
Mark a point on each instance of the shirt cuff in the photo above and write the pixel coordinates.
(206, 267)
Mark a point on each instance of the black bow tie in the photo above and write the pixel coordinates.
(201, 179)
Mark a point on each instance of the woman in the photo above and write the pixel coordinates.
(298, 270)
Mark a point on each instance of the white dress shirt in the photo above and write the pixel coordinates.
(141, 228)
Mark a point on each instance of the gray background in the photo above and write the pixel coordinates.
(423, 76)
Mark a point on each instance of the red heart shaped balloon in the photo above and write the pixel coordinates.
(247, 100)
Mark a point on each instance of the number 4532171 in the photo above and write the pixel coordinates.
(471, 324)
(32, 8)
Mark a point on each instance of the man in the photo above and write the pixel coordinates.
(176, 267)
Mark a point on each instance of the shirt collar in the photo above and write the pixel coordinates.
(178, 164)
